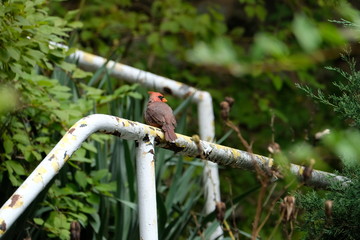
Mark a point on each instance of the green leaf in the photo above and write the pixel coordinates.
(90, 147)
(8, 144)
(267, 44)
(38, 221)
(153, 38)
(15, 166)
(135, 95)
(76, 24)
(169, 43)
(35, 54)
(36, 155)
(306, 33)
(169, 26)
(21, 138)
(16, 68)
(106, 187)
(51, 104)
(78, 73)
(277, 82)
(46, 82)
(81, 178)
(68, 67)
(13, 53)
(97, 175)
(62, 114)
(330, 33)
(128, 204)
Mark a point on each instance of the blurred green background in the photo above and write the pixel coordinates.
(254, 51)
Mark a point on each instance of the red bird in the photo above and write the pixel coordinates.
(159, 114)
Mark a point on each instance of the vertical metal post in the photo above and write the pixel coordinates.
(145, 167)
(210, 173)
(211, 178)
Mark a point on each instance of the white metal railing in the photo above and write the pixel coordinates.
(147, 137)
(90, 62)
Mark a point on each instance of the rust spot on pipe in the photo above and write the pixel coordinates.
(3, 226)
(174, 147)
(207, 155)
(151, 151)
(71, 130)
(153, 163)
(14, 199)
(167, 90)
(116, 133)
(188, 94)
(52, 157)
(66, 156)
(146, 138)
(131, 123)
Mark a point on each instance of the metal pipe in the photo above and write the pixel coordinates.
(211, 172)
(211, 178)
(130, 130)
(145, 165)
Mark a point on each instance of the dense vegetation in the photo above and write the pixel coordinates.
(252, 50)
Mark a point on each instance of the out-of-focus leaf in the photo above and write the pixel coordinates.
(81, 178)
(266, 44)
(306, 33)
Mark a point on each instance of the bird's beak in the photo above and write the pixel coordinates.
(164, 100)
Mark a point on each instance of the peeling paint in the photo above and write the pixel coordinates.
(87, 57)
(271, 162)
(71, 130)
(52, 157)
(301, 171)
(66, 157)
(72, 138)
(39, 172)
(118, 67)
(152, 163)
(146, 138)
(235, 153)
(116, 133)
(55, 166)
(126, 123)
(16, 201)
(2, 226)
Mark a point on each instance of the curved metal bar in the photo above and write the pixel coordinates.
(203, 99)
(131, 130)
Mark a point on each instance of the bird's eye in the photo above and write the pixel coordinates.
(160, 97)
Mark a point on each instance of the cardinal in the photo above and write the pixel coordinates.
(159, 114)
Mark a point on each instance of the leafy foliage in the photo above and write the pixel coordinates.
(347, 103)
(236, 43)
(343, 220)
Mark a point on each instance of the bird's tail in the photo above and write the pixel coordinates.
(170, 135)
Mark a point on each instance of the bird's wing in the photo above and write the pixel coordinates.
(154, 114)
(161, 113)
